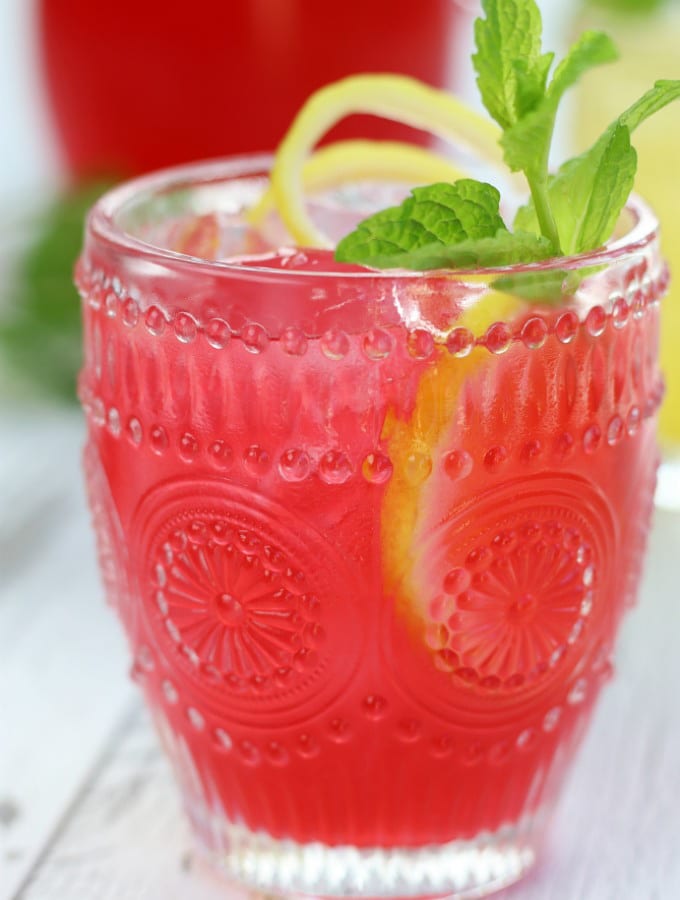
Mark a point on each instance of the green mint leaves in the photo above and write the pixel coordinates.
(572, 211)
(527, 143)
(511, 70)
(441, 226)
(588, 192)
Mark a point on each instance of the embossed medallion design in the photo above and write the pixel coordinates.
(522, 607)
(228, 610)
(231, 586)
(515, 603)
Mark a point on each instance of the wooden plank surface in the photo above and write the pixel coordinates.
(62, 660)
(88, 810)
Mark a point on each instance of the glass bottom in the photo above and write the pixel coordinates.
(460, 870)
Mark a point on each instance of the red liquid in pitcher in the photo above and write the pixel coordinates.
(137, 86)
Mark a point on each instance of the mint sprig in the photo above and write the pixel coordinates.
(588, 192)
(511, 69)
(572, 211)
(441, 226)
(526, 144)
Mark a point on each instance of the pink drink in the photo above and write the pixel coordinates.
(371, 562)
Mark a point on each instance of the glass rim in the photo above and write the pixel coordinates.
(102, 225)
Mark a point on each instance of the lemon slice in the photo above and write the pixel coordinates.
(394, 97)
(347, 161)
(415, 442)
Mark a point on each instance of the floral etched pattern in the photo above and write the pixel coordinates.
(518, 616)
(230, 587)
(231, 611)
(512, 601)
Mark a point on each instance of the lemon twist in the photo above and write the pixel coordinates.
(395, 97)
(346, 161)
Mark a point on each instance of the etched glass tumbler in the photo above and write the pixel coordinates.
(371, 536)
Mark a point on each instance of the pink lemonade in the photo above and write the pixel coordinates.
(371, 536)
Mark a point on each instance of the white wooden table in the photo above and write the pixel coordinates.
(87, 807)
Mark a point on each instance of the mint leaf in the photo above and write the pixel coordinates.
(663, 93)
(511, 70)
(527, 143)
(441, 226)
(588, 192)
(438, 215)
(503, 249)
(611, 186)
(570, 212)
(512, 73)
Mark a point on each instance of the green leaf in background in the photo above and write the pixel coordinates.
(40, 334)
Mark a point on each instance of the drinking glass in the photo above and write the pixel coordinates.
(370, 535)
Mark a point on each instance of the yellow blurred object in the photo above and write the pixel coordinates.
(650, 49)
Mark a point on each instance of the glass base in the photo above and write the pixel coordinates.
(461, 869)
